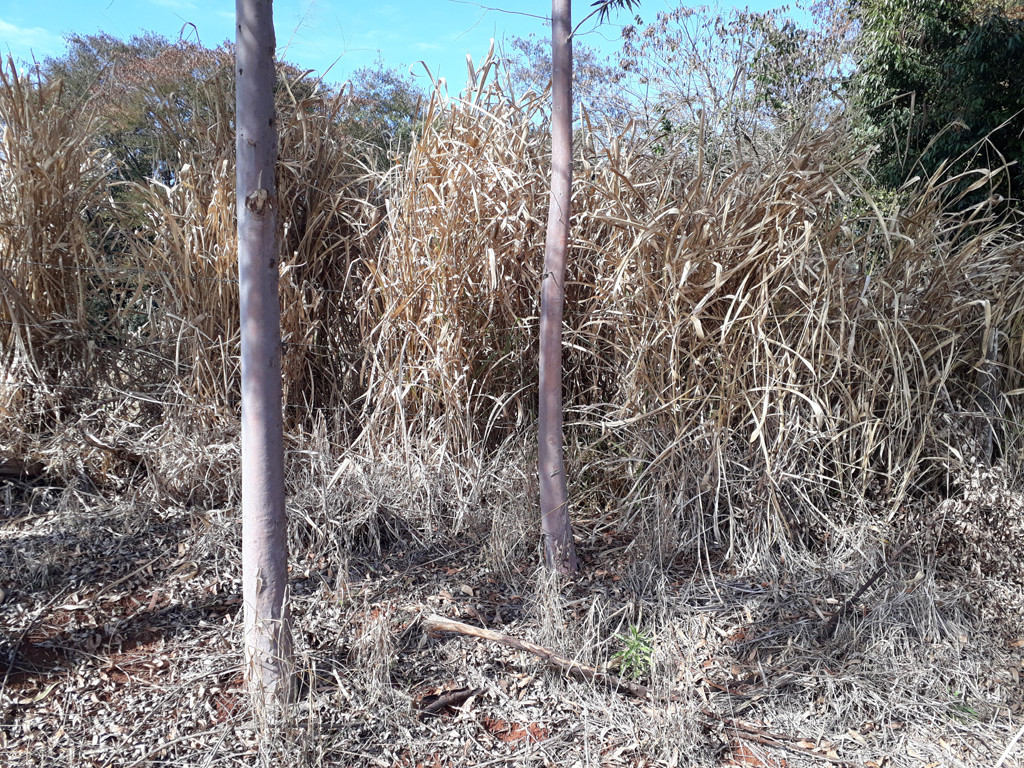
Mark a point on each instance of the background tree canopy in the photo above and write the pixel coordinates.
(149, 88)
(930, 82)
(941, 81)
(138, 88)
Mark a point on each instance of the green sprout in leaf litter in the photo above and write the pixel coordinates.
(635, 658)
(959, 710)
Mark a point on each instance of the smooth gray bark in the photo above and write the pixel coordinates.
(559, 550)
(264, 525)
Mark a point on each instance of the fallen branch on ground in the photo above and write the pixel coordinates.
(434, 704)
(436, 624)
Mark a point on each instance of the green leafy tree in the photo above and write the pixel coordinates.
(941, 82)
(140, 90)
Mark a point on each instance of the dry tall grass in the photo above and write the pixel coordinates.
(744, 341)
(50, 179)
(325, 218)
(747, 341)
(774, 349)
(52, 186)
(146, 317)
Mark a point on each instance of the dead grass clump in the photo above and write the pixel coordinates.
(745, 342)
(373, 644)
(50, 179)
(324, 218)
(506, 517)
(120, 310)
(52, 183)
(781, 352)
(549, 612)
(453, 297)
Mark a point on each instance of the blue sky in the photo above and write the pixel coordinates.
(313, 34)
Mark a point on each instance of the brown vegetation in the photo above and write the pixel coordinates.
(771, 378)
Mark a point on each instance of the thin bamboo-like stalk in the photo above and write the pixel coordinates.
(556, 526)
(268, 641)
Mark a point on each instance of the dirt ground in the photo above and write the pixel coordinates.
(120, 646)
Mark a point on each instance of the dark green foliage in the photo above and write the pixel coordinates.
(942, 81)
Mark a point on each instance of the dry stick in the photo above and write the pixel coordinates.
(435, 624)
(448, 699)
(760, 735)
(1009, 747)
(833, 622)
(772, 741)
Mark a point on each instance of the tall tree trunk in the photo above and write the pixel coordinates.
(264, 526)
(559, 550)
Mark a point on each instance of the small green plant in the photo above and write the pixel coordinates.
(959, 710)
(634, 659)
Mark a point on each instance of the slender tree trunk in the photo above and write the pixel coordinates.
(264, 526)
(559, 550)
